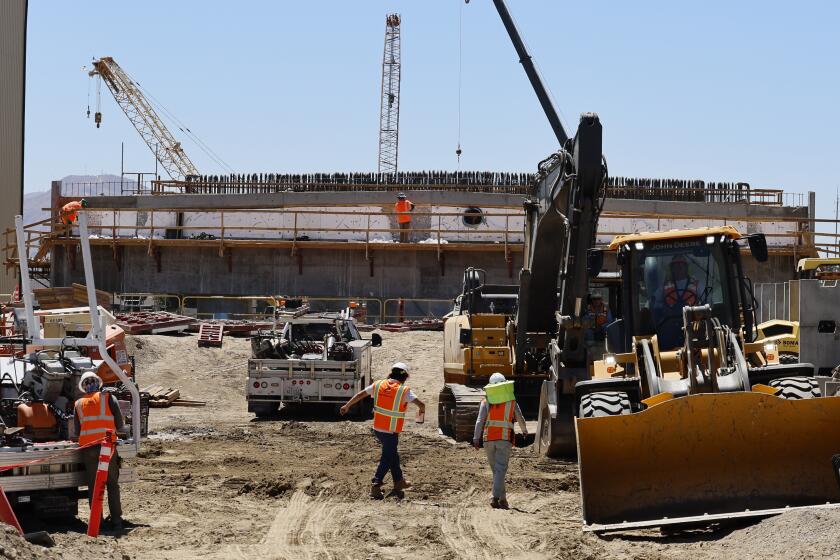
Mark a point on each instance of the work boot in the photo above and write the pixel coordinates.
(494, 503)
(117, 524)
(401, 485)
(376, 491)
(503, 504)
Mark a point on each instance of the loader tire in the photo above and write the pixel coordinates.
(788, 358)
(606, 403)
(796, 388)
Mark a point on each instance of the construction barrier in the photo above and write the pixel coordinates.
(406, 309)
(7, 514)
(106, 451)
(261, 307)
(127, 302)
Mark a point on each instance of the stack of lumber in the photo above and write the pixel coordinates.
(74, 296)
(164, 397)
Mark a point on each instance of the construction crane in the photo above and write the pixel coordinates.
(142, 115)
(389, 113)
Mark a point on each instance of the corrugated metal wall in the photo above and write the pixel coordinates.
(12, 75)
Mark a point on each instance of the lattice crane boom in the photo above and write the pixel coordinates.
(166, 149)
(389, 114)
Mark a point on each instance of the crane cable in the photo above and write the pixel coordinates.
(185, 129)
(460, 57)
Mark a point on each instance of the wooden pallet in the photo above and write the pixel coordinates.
(164, 397)
(210, 334)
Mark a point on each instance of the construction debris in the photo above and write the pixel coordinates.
(210, 334)
(154, 322)
(164, 397)
(234, 326)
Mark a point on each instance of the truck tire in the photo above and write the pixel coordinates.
(796, 388)
(264, 410)
(605, 403)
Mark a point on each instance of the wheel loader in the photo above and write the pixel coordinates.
(687, 419)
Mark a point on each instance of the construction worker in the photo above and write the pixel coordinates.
(495, 426)
(403, 207)
(680, 290)
(596, 319)
(69, 212)
(96, 413)
(390, 400)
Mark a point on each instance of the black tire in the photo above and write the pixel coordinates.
(796, 388)
(606, 403)
(265, 410)
(788, 358)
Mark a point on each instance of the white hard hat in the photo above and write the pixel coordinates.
(400, 365)
(497, 378)
(84, 379)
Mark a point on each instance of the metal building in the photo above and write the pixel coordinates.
(13, 71)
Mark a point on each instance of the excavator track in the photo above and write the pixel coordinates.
(458, 409)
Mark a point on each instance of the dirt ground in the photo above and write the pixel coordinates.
(216, 483)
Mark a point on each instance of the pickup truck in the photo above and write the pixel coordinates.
(315, 358)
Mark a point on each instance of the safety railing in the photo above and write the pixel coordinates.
(127, 302)
(128, 187)
(408, 309)
(773, 300)
(366, 310)
(292, 228)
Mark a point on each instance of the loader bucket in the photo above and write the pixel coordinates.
(708, 457)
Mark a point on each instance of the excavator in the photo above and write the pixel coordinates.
(686, 418)
(533, 331)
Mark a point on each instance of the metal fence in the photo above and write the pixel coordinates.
(773, 301)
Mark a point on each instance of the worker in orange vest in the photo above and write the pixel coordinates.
(403, 207)
(70, 211)
(96, 413)
(390, 400)
(495, 426)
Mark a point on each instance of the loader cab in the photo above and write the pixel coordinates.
(664, 272)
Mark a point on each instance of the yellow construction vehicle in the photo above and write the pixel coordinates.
(687, 418)
(785, 334)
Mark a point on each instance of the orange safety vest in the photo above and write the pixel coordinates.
(403, 207)
(69, 212)
(95, 418)
(499, 423)
(688, 296)
(389, 404)
(600, 315)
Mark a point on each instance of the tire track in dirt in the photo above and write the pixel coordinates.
(298, 531)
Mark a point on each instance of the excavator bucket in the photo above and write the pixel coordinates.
(708, 457)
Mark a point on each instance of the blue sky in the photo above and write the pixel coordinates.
(713, 90)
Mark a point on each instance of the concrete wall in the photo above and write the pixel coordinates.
(12, 80)
(345, 273)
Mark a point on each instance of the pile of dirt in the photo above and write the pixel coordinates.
(797, 534)
(15, 547)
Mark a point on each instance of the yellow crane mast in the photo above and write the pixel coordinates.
(145, 119)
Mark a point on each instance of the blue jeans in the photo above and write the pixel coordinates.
(390, 459)
(498, 455)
